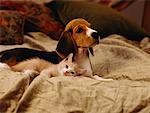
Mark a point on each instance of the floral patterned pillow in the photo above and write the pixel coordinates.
(11, 27)
(38, 17)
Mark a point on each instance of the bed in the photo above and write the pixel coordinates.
(126, 62)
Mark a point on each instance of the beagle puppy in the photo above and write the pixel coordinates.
(78, 38)
(85, 38)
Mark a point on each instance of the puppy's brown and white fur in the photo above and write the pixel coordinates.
(84, 36)
(85, 39)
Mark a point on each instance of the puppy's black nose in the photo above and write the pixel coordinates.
(95, 35)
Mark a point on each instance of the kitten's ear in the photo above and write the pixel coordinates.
(70, 57)
(82, 71)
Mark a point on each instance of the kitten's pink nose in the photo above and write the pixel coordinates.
(65, 73)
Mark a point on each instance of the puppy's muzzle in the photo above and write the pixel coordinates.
(95, 35)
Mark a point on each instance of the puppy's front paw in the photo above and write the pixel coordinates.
(4, 66)
(96, 77)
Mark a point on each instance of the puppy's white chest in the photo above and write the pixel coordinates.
(83, 61)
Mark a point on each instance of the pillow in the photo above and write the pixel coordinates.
(38, 17)
(102, 18)
(11, 27)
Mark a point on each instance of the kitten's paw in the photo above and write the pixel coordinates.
(46, 73)
(96, 77)
(4, 66)
(30, 72)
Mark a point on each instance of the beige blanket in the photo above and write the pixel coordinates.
(115, 57)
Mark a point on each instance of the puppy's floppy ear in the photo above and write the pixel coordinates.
(91, 51)
(66, 44)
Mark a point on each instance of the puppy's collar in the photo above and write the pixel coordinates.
(60, 55)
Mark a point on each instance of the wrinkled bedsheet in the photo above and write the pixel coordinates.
(126, 62)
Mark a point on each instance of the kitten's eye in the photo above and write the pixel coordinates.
(79, 30)
(67, 66)
(72, 72)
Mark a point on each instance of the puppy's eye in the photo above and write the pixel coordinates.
(67, 66)
(79, 30)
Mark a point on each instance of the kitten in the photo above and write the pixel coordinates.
(65, 68)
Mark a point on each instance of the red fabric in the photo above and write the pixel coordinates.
(11, 27)
(39, 17)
